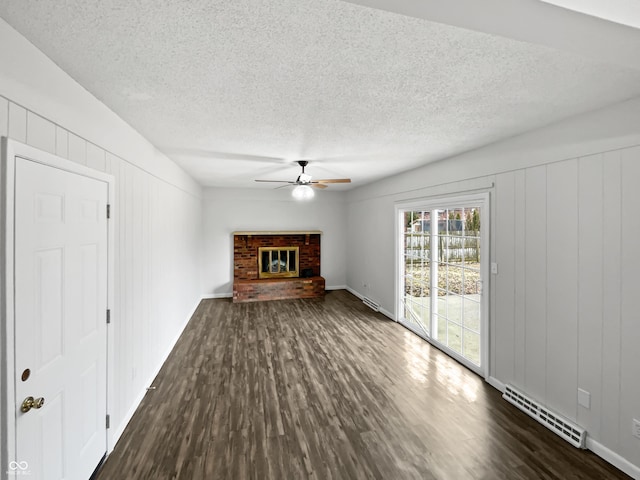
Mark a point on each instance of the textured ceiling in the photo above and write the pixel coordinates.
(237, 90)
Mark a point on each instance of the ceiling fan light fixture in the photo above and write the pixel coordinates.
(303, 192)
(304, 178)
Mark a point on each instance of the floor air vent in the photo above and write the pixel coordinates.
(571, 432)
(371, 304)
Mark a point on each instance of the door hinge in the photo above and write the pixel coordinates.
(108, 211)
(108, 422)
(108, 316)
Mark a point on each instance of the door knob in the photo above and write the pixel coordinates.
(30, 403)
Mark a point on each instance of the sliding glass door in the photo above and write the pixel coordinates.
(441, 270)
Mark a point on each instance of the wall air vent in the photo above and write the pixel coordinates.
(571, 432)
(371, 304)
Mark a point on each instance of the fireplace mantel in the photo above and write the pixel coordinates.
(279, 232)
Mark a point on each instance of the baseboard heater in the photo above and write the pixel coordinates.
(371, 304)
(571, 432)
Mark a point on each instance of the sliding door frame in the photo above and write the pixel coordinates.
(481, 199)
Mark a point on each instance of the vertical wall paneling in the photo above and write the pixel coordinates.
(41, 133)
(630, 309)
(108, 160)
(95, 157)
(137, 321)
(4, 117)
(77, 149)
(574, 243)
(590, 288)
(157, 277)
(121, 292)
(562, 286)
(611, 328)
(154, 263)
(62, 142)
(505, 280)
(520, 239)
(17, 122)
(536, 278)
(147, 365)
(138, 343)
(128, 206)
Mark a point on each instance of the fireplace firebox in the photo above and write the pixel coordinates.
(278, 262)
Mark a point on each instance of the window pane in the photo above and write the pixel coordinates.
(472, 346)
(472, 280)
(455, 279)
(456, 221)
(472, 312)
(454, 308)
(454, 340)
(442, 305)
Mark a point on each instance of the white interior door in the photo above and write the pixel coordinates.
(60, 328)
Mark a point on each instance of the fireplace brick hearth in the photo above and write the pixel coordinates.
(247, 284)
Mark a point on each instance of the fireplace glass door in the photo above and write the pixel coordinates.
(278, 262)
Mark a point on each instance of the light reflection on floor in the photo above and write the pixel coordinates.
(417, 356)
(457, 379)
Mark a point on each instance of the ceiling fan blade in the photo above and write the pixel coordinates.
(274, 181)
(334, 180)
(319, 185)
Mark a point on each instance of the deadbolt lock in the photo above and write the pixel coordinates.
(31, 402)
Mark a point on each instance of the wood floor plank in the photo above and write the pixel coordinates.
(328, 389)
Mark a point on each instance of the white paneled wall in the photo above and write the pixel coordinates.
(157, 255)
(629, 352)
(565, 233)
(611, 306)
(581, 288)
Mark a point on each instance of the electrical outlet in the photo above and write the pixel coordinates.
(636, 428)
(584, 398)
(494, 268)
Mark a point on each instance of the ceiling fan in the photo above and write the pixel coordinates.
(304, 182)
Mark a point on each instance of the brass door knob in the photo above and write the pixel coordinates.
(31, 402)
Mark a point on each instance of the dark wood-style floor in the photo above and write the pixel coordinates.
(328, 389)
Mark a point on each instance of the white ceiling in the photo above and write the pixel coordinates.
(236, 90)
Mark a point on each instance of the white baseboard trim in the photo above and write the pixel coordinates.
(336, 287)
(117, 432)
(208, 296)
(497, 384)
(613, 458)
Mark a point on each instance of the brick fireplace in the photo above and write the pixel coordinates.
(272, 255)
